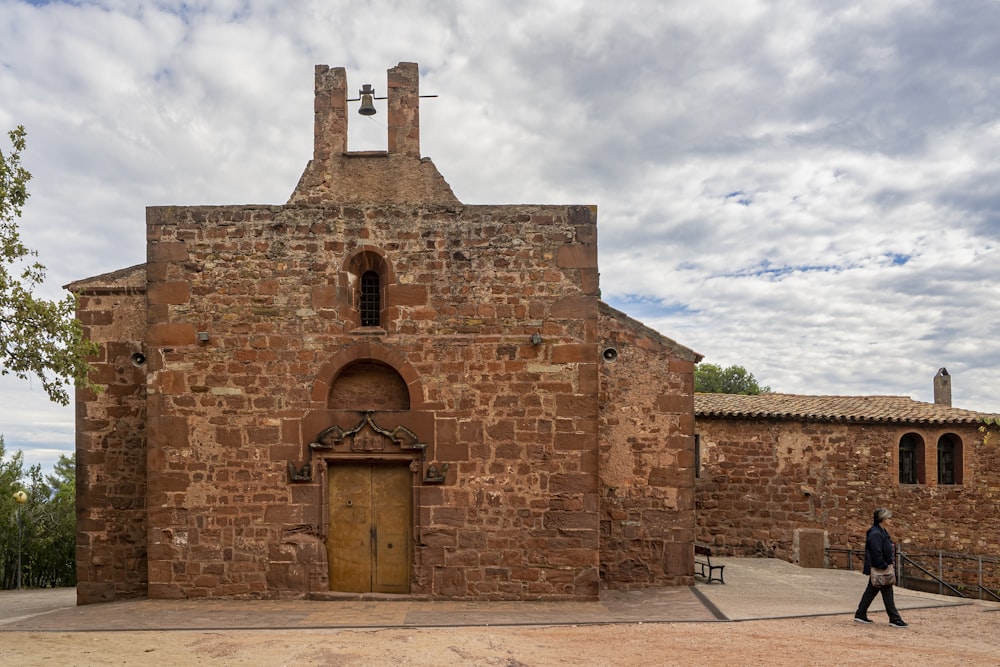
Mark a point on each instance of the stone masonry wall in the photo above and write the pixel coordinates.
(516, 517)
(646, 457)
(761, 480)
(110, 445)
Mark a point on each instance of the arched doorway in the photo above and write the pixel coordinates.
(370, 485)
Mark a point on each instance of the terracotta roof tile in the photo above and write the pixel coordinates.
(831, 408)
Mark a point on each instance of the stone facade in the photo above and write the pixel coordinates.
(774, 465)
(111, 440)
(646, 455)
(375, 323)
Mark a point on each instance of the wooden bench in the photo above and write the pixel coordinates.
(703, 563)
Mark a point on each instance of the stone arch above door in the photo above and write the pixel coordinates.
(377, 360)
(368, 385)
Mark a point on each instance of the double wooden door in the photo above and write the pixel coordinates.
(368, 546)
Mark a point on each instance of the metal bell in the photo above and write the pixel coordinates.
(367, 106)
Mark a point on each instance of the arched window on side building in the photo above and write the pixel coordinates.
(949, 459)
(911, 459)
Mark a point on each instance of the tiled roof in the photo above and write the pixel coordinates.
(831, 408)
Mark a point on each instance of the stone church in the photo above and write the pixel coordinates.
(377, 389)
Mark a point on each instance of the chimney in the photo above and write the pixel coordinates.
(942, 388)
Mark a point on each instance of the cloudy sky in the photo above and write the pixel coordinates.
(809, 189)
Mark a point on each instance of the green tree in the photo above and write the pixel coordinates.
(53, 546)
(37, 337)
(48, 523)
(714, 379)
(11, 472)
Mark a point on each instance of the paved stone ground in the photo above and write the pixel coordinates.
(755, 589)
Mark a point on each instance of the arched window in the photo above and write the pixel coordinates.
(370, 303)
(911, 459)
(949, 459)
(370, 277)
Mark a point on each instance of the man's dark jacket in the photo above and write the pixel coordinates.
(879, 551)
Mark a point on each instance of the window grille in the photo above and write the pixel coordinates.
(370, 302)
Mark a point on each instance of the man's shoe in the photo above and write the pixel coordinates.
(864, 619)
(897, 624)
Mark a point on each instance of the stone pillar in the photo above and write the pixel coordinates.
(330, 113)
(404, 109)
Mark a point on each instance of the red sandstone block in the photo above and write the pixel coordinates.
(685, 457)
(674, 404)
(573, 353)
(176, 292)
(407, 295)
(670, 477)
(168, 483)
(471, 431)
(282, 514)
(448, 516)
(95, 317)
(166, 251)
(461, 558)
(590, 461)
(572, 441)
(571, 483)
(165, 334)
(570, 521)
(574, 307)
(680, 366)
(471, 540)
(510, 451)
(589, 378)
(103, 373)
(685, 423)
(290, 431)
(265, 435)
(170, 382)
(325, 297)
(450, 582)
(577, 256)
(501, 430)
(168, 431)
(575, 405)
(268, 287)
(590, 281)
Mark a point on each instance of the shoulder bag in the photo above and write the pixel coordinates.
(882, 578)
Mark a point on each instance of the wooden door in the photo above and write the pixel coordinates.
(368, 547)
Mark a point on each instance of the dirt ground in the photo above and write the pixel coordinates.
(967, 635)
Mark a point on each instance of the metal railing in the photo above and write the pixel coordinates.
(951, 576)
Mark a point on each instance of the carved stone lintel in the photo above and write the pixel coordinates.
(367, 436)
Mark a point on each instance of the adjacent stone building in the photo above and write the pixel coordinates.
(376, 388)
(775, 465)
